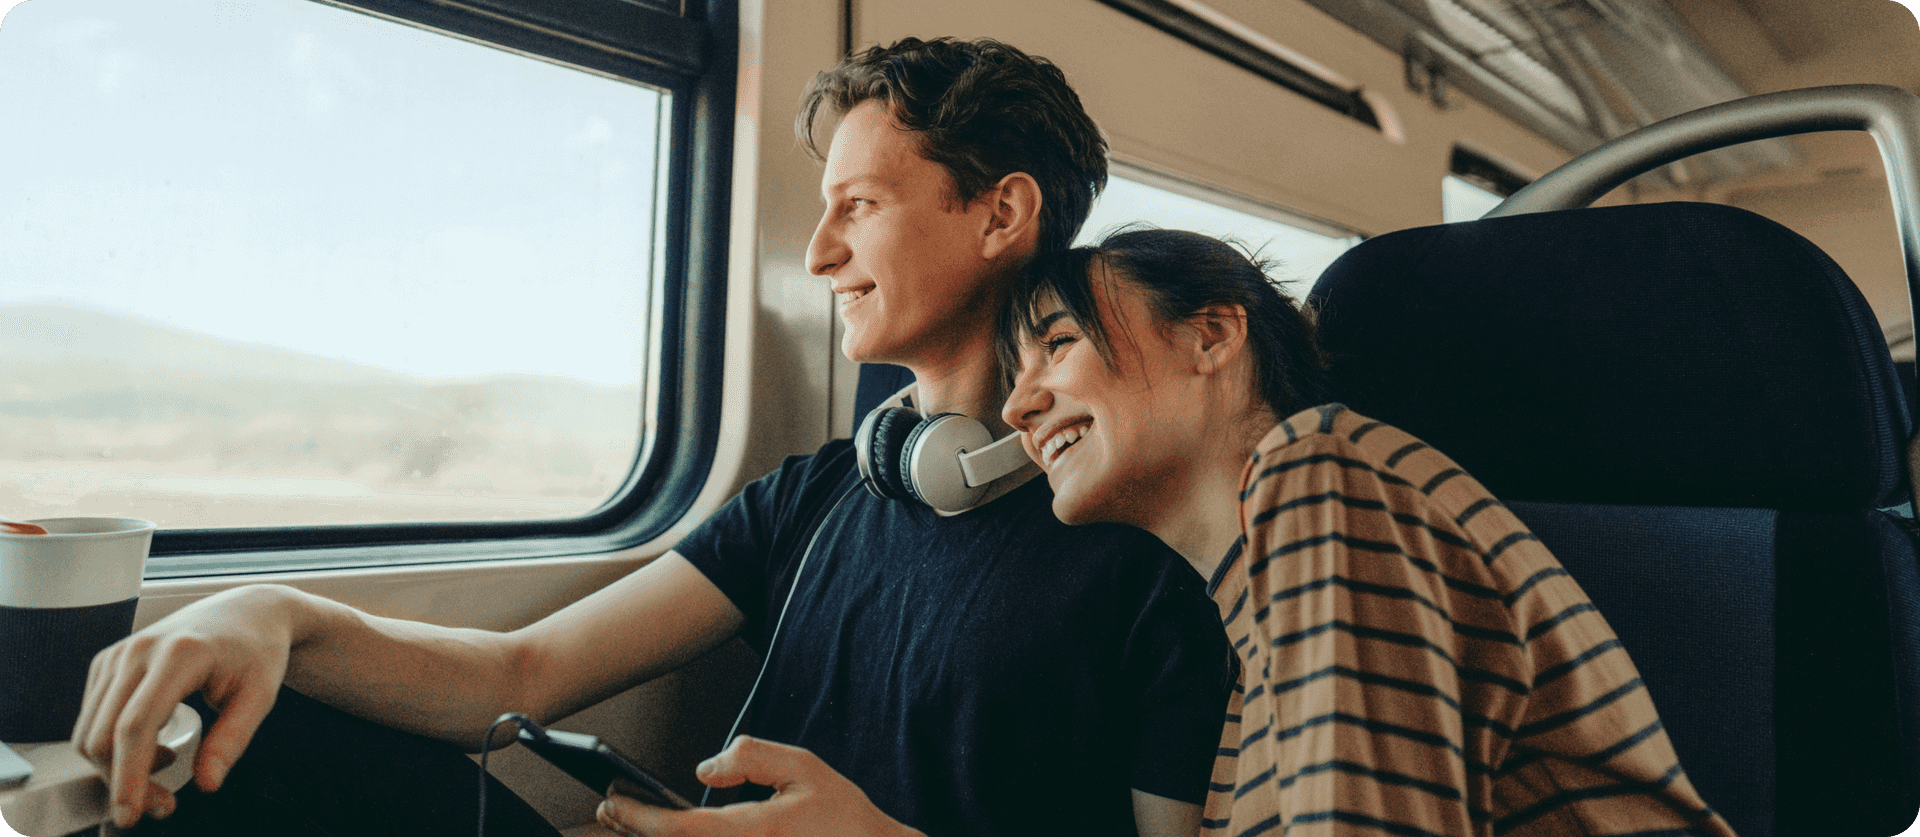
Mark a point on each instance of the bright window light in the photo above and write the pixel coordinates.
(1463, 201)
(1301, 252)
(276, 263)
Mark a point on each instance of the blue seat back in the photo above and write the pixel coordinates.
(878, 382)
(1694, 409)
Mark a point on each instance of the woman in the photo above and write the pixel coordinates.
(1413, 660)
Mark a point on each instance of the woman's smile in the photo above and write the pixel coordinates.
(1056, 446)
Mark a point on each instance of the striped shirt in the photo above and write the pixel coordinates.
(1414, 662)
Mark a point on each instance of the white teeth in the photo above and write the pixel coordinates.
(1061, 440)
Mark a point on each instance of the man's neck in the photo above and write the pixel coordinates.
(968, 384)
(973, 391)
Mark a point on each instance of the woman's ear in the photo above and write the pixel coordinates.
(1013, 225)
(1221, 335)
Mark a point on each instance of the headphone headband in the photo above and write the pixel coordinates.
(1002, 457)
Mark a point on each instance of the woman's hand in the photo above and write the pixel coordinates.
(232, 648)
(808, 798)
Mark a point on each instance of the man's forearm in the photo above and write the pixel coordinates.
(451, 683)
(446, 683)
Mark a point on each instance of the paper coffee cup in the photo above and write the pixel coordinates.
(64, 596)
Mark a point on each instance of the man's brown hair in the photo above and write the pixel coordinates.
(982, 110)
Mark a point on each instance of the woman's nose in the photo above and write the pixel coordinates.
(1026, 403)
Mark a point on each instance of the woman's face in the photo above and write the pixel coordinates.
(1115, 440)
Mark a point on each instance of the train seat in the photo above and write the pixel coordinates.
(1693, 407)
(878, 382)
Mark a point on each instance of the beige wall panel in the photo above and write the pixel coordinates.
(1170, 106)
(1356, 60)
(776, 199)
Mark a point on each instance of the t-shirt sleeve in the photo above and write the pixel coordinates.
(1182, 668)
(749, 543)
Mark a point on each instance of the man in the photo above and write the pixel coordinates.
(987, 672)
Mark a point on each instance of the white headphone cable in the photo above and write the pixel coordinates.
(775, 635)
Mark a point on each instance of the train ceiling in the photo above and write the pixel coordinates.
(1582, 71)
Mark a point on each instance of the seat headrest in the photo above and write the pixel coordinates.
(878, 382)
(1661, 354)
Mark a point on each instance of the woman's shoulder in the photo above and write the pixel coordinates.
(1333, 427)
(1342, 441)
(1331, 451)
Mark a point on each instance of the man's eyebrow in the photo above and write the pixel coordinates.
(852, 183)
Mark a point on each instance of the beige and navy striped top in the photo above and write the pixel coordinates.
(1414, 662)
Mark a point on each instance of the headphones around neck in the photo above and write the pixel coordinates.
(947, 461)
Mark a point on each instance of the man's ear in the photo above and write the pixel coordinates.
(1014, 220)
(1219, 335)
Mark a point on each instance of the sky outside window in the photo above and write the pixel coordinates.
(290, 251)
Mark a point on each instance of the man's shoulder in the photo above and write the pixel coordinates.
(1023, 520)
(831, 462)
(1030, 506)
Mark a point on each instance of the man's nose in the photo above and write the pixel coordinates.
(827, 251)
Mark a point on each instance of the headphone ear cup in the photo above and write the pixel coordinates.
(930, 461)
(883, 441)
(906, 451)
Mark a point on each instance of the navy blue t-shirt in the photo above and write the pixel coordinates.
(995, 672)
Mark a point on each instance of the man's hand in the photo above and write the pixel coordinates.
(232, 648)
(808, 798)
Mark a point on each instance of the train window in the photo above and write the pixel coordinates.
(1464, 200)
(1475, 186)
(1300, 246)
(277, 263)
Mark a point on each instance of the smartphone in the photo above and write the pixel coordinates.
(598, 766)
(14, 770)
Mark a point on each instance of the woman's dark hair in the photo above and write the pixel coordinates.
(982, 110)
(1181, 273)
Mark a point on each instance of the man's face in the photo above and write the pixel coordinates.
(906, 260)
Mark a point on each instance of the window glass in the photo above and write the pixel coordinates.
(273, 262)
(1299, 253)
(1463, 201)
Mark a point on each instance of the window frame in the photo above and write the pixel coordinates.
(1179, 20)
(1482, 171)
(692, 56)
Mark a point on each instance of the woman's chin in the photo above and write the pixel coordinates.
(1075, 507)
(1069, 511)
